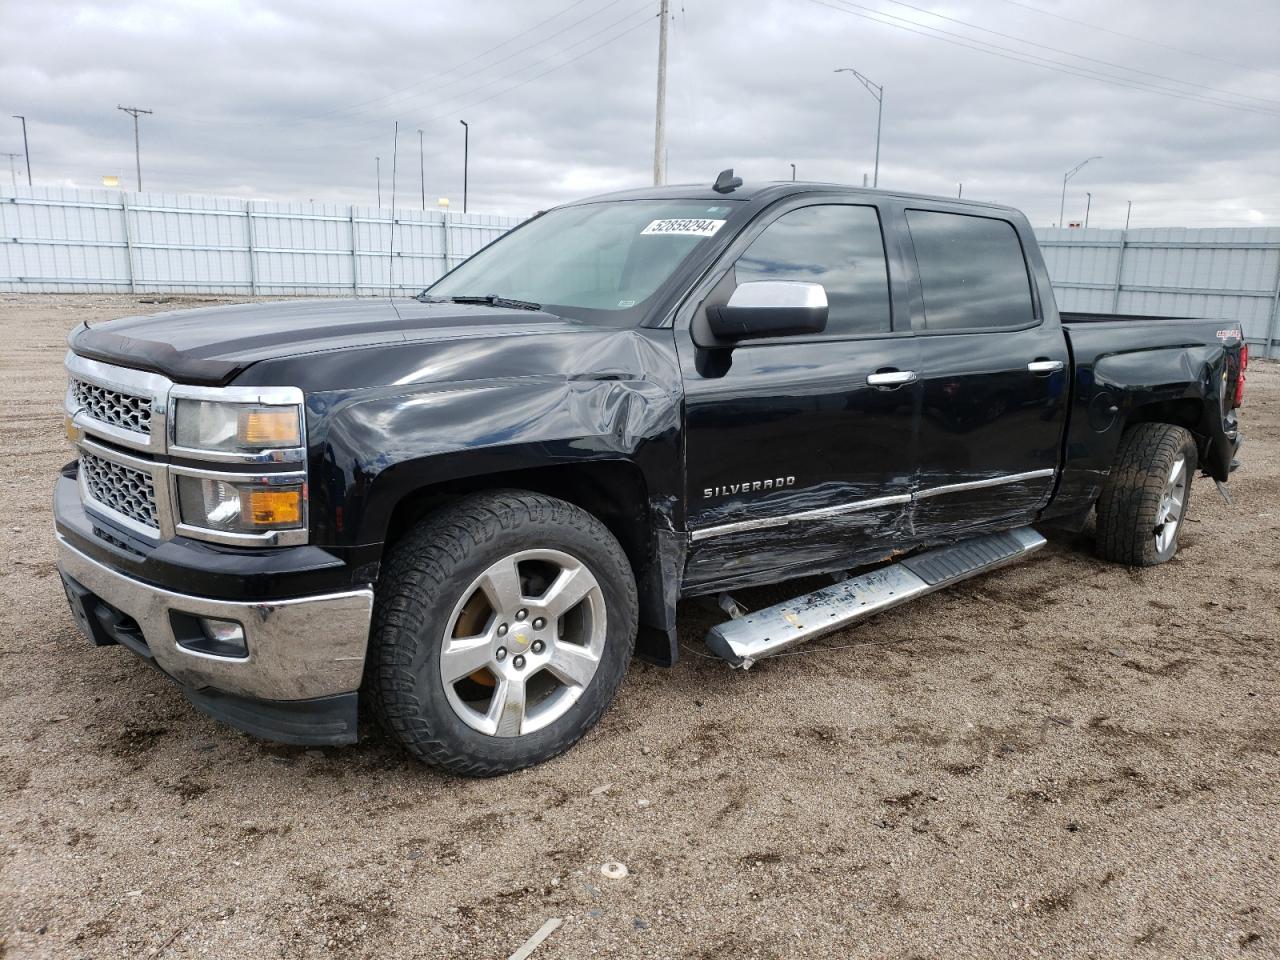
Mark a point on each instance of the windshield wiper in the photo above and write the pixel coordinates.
(493, 300)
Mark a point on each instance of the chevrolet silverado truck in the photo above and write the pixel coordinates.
(469, 509)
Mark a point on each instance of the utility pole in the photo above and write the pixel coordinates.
(1128, 212)
(137, 148)
(793, 173)
(1062, 206)
(876, 91)
(377, 166)
(422, 176)
(13, 173)
(1087, 204)
(466, 160)
(26, 151)
(959, 190)
(660, 120)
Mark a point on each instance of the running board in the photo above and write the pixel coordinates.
(757, 635)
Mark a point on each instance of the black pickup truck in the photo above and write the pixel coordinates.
(469, 509)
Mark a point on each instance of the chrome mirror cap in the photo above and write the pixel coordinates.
(785, 294)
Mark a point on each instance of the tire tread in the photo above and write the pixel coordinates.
(419, 568)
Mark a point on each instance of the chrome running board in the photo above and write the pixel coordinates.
(757, 635)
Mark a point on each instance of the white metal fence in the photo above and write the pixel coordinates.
(99, 241)
(107, 241)
(1228, 273)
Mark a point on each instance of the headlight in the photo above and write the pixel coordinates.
(233, 506)
(236, 427)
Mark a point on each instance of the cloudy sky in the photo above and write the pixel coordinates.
(293, 100)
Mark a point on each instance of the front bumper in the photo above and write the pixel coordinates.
(306, 649)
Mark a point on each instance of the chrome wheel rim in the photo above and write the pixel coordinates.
(1172, 501)
(523, 643)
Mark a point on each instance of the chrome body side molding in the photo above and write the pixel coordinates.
(763, 523)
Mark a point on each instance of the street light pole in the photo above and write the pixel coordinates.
(1088, 204)
(26, 152)
(876, 91)
(1062, 206)
(137, 148)
(377, 166)
(422, 173)
(1128, 213)
(793, 173)
(466, 160)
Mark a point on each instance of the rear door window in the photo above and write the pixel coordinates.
(973, 273)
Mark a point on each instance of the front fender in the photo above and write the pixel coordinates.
(383, 446)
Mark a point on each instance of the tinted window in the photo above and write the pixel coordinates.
(972, 271)
(837, 246)
(596, 260)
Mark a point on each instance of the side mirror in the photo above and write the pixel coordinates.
(770, 308)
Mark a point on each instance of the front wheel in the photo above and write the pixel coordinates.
(502, 629)
(1144, 500)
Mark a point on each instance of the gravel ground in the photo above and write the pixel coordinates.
(1062, 759)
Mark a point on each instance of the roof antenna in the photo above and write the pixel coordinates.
(726, 182)
(391, 256)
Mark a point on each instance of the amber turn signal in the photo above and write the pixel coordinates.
(271, 508)
(267, 426)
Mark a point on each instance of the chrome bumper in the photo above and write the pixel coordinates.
(297, 649)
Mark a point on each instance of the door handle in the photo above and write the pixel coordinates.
(891, 378)
(1045, 366)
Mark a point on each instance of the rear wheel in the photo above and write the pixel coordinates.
(1144, 501)
(503, 627)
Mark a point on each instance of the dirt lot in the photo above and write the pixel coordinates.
(1064, 759)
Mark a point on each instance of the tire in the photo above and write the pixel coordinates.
(472, 585)
(1145, 488)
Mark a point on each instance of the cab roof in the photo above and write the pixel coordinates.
(767, 191)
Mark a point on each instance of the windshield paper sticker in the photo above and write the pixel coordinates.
(689, 227)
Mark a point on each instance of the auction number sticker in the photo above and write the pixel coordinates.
(689, 227)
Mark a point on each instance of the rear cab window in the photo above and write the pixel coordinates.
(973, 272)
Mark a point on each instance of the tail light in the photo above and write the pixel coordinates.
(1244, 364)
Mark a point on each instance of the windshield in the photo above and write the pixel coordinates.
(608, 257)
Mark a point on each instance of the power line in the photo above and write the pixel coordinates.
(1147, 40)
(1080, 56)
(356, 108)
(467, 106)
(644, 7)
(1020, 56)
(338, 112)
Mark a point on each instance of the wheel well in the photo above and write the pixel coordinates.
(1180, 413)
(614, 491)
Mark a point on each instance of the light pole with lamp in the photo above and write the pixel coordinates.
(1062, 206)
(876, 91)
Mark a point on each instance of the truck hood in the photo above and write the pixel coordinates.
(213, 345)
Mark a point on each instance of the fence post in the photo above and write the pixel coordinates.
(444, 243)
(1275, 312)
(1115, 291)
(253, 270)
(355, 260)
(128, 240)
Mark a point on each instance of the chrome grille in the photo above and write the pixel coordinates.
(113, 407)
(129, 492)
